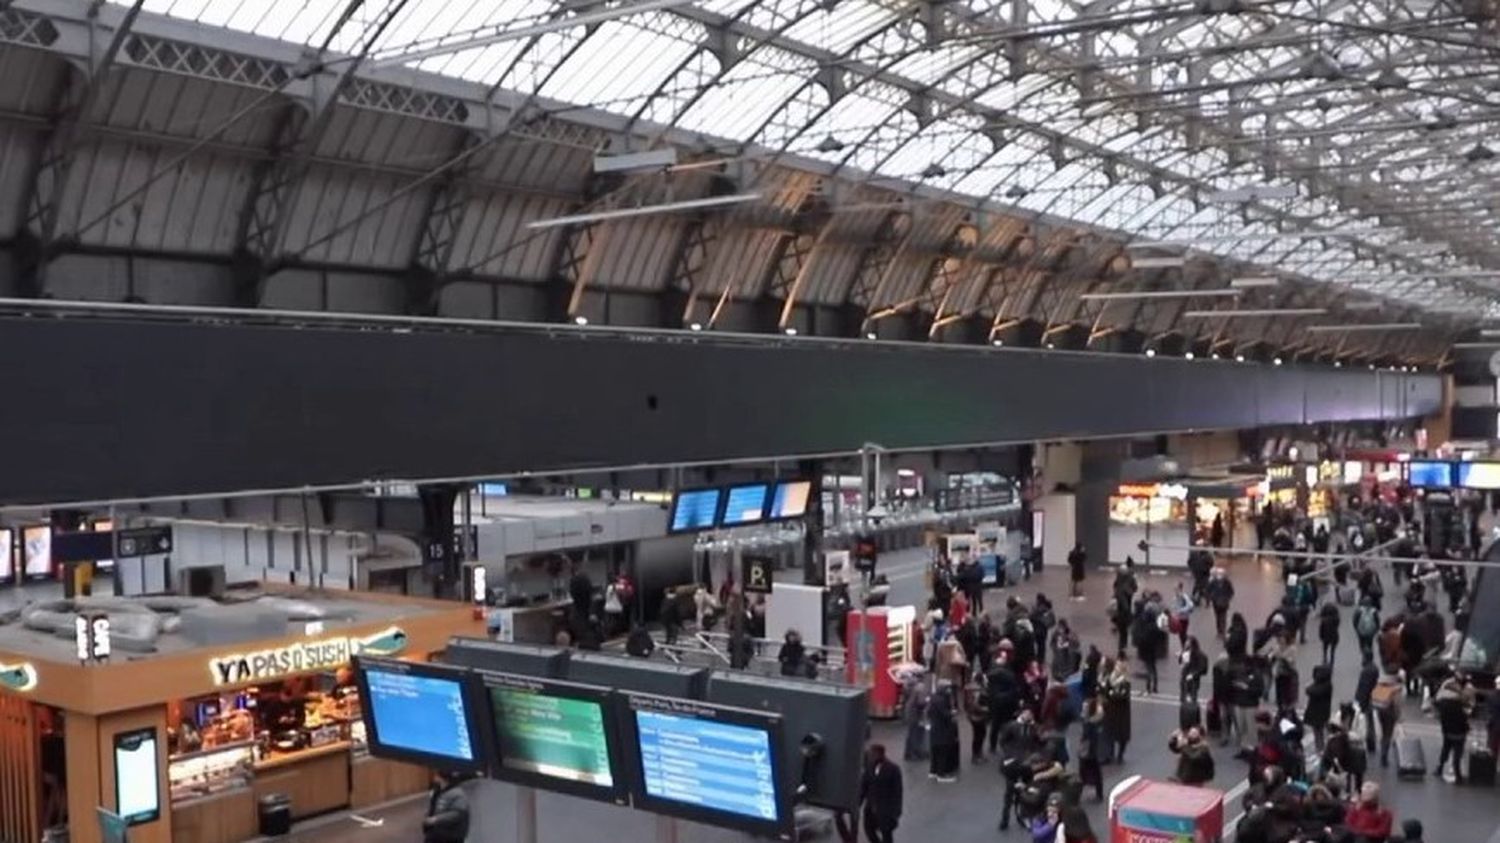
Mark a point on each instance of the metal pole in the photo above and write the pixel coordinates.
(666, 829)
(525, 815)
(467, 520)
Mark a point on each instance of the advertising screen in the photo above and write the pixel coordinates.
(555, 736)
(1479, 475)
(7, 555)
(694, 510)
(137, 788)
(37, 551)
(1427, 474)
(712, 764)
(789, 499)
(418, 713)
(746, 504)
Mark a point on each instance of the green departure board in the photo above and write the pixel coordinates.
(554, 736)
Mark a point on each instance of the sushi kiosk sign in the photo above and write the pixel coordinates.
(302, 657)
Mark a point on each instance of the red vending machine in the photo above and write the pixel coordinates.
(1145, 811)
(881, 642)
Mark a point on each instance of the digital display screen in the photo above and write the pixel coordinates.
(746, 504)
(137, 788)
(37, 551)
(1425, 474)
(709, 763)
(7, 555)
(555, 735)
(1354, 471)
(418, 712)
(790, 499)
(1479, 475)
(695, 509)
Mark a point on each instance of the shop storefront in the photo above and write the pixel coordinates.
(184, 739)
(1223, 509)
(1153, 513)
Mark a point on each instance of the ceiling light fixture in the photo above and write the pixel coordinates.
(644, 210)
(791, 332)
(1150, 352)
(1154, 294)
(1242, 314)
(872, 336)
(1239, 358)
(696, 326)
(1188, 355)
(1370, 326)
(580, 320)
(1157, 261)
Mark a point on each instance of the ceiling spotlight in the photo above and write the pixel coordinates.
(1337, 364)
(1051, 345)
(1150, 352)
(1276, 362)
(1239, 358)
(791, 332)
(997, 343)
(1372, 367)
(580, 320)
(1213, 355)
(696, 326)
(872, 336)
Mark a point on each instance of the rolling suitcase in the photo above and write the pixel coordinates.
(1411, 763)
(1481, 767)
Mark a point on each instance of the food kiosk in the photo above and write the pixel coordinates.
(1146, 811)
(882, 642)
(184, 736)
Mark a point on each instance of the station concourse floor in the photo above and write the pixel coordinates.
(969, 809)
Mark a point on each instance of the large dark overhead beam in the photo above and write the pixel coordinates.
(124, 407)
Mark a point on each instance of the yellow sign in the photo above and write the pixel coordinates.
(1281, 472)
(302, 657)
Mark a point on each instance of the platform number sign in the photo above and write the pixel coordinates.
(91, 635)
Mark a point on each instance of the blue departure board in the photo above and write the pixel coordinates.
(695, 509)
(1430, 475)
(746, 504)
(419, 714)
(708, 764)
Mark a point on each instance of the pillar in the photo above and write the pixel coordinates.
(440, 556)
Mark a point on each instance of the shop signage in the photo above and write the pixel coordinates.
(18, 677)
(91, 635)
(1330, 472)
(1175, 491)
(302, 657)
(756, 575)
(1281, 472)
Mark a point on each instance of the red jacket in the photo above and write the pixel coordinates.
(1369, 821)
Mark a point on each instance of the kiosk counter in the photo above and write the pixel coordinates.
(252, 697)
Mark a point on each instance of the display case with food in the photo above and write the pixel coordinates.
(204, 773)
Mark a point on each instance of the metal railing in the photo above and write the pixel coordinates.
(711, 649)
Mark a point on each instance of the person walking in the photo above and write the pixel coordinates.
(1019, 740)
(1077, 560)
(1194, 664)
(1149, 631)
(1117, 711)
(1366, 622)
(1219, 591)
(942, 719)
(1319, 703)
(447, 818)
(977, 708)
(880, 796)
(1181, 615)
(1091, 747)
(1454, 703)
(1328, 631)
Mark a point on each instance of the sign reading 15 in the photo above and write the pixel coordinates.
(91, 634)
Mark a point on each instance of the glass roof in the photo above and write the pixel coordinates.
(1234, 132)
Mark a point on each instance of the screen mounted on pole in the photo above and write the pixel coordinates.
(694, 510)
(419, 713)
(555, 736)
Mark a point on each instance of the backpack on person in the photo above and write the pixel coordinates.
(1366, 623)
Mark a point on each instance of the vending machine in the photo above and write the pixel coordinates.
(1146, 811)
(881, 643)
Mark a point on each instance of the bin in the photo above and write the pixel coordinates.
(275, 813)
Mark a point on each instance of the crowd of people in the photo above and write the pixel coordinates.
(1020, 680)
